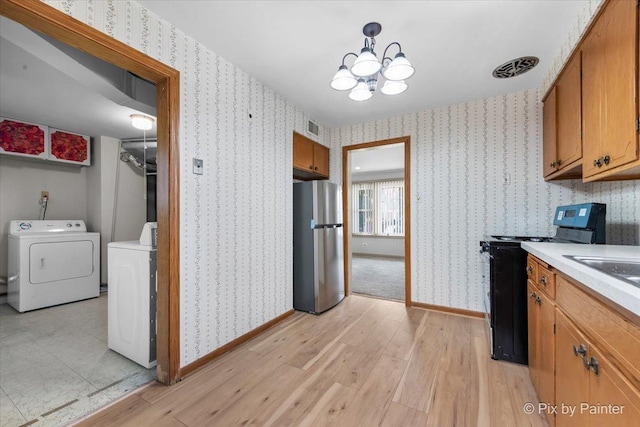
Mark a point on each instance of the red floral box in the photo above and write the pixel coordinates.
(19, 138)
(69, 147)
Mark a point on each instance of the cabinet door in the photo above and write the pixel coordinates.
(569, 114)
(549, 134)
(534, 336)
(609, 391)
(572, 373)
(546, 354)
(609, 55)
(321, 160)
(302, 152)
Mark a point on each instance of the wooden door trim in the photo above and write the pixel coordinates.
(43, 18)
(406, 140)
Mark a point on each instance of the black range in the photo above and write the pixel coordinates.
(505, 278)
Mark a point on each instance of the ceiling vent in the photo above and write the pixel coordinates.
(313, 128)
(515, 67)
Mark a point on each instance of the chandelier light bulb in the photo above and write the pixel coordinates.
(343, 80)
(141, 121)
(399, 69)
(360, 92)
(392, 87)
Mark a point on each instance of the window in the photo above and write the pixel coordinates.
(378, 208)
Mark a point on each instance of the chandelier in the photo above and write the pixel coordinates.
(362, 78)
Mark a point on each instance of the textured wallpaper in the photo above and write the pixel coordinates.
(570, 42)
(476, 169)
(236, 257)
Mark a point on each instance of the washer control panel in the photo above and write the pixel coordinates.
(46, 226)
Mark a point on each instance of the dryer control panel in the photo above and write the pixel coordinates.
(47, 226)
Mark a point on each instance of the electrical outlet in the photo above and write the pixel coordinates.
(198, 166)
(44, 194)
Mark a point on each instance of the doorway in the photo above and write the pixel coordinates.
(45, 19)
(376, 206)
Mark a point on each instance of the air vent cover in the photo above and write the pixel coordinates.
(515, 67)
(313, 128)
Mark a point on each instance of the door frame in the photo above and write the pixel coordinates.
(406, 140)
(41, 17)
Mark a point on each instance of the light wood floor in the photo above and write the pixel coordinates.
(367, 362)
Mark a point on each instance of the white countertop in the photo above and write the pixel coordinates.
(620, 292)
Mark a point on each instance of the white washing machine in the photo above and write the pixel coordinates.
(132, 297)
(51, 263)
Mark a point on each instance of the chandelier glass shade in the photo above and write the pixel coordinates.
(362, 78)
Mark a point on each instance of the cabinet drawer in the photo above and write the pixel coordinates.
(615, 336)
(546, 281)
(532, 269)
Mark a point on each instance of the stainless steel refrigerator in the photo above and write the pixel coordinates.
(318, 267)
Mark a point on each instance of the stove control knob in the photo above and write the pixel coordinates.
(68, 225)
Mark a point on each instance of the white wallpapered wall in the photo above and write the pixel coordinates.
(582, 22)
(236, 259)
(236, 218)
(460, 157)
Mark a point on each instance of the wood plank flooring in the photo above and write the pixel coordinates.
(367, 362)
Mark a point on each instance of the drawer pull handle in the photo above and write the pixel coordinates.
(529, 269)
(543, 280)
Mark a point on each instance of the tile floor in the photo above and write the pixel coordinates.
(55, 365)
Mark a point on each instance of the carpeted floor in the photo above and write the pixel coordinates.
(377, 276)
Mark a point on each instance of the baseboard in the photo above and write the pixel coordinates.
(365, 255)
(195, 365)
(445, 309)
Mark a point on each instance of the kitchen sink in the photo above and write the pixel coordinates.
(627, 269)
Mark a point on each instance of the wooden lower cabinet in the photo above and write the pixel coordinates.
(614, 402)
(541, 318)
(590, 391)
(572, 373)
(593, 353)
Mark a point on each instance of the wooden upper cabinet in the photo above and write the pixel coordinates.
(549, 134)
(609, 92)
(569, 114)
(310, 159)
(562, 124)
(302, 152)
(321, 160)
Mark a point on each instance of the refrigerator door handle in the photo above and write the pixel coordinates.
(315, 226)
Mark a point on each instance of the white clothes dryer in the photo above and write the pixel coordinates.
(51, 263)
(132, 288)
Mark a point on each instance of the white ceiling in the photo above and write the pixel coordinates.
(295, 47)
(43, 85)
(375, 159)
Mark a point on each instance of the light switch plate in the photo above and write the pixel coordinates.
(198, 166)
